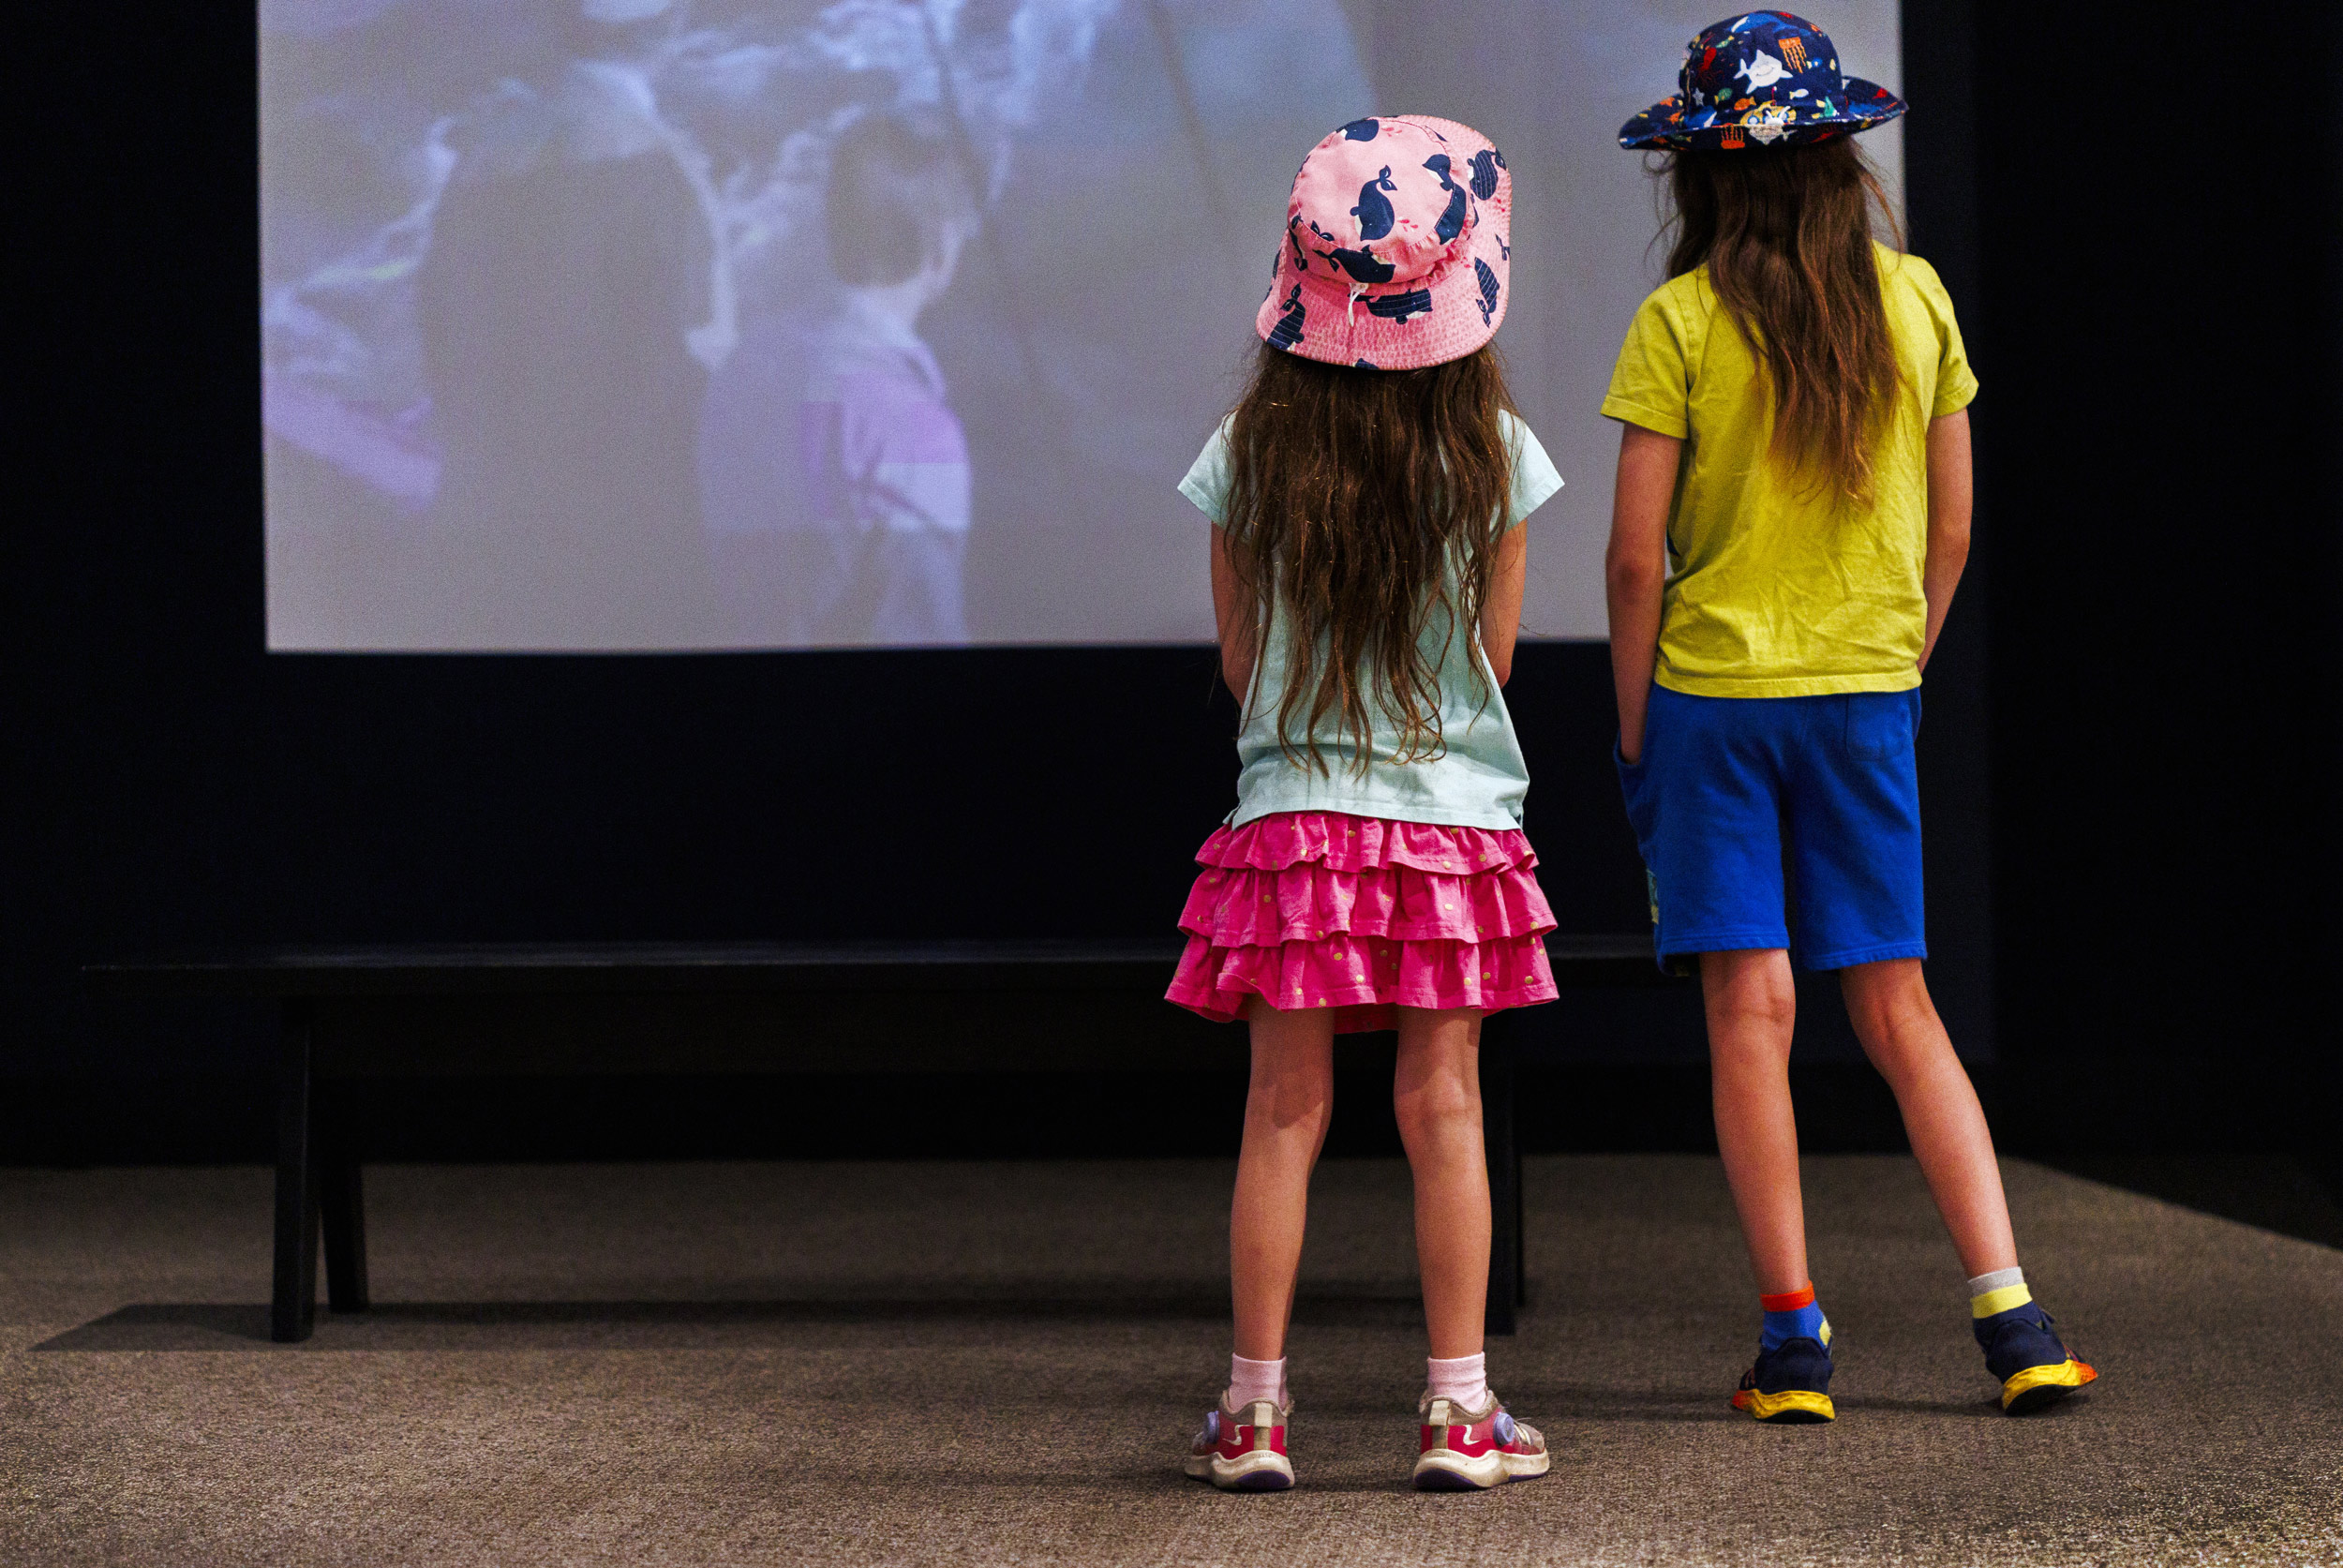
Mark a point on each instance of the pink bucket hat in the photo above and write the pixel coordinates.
(1397, 249)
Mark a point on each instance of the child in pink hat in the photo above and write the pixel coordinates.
(1368, 496)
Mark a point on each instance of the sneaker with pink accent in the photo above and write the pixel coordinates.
(1243, 1450)
(1465, 1451)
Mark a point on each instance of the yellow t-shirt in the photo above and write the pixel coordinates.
(1777, 585)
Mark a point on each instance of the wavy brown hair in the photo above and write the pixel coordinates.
(1367, 504)
(1785, 234)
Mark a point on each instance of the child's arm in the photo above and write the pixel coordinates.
(1234, 618)
(1634, 571)
(1950, 492)
(1500, 612)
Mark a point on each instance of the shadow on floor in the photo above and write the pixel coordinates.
(426, 1324)
(1704, 1404)
(2277, 1192)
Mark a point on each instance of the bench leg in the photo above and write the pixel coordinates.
(293, 1306)
(344, 1206)
(1508, 1285)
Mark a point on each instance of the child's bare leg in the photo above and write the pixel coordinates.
(1437, 1094)
(1287, 1110)
(1893, 1017)
(1752, 1007)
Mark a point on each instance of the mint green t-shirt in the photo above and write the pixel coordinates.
(1479, 781)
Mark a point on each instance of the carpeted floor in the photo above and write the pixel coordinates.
(998, 1363)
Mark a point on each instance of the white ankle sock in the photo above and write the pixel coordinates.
(1249, 1380)
(1462, 1380)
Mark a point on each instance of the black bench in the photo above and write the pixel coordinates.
(396, 1012)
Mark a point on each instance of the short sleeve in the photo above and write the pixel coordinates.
(1207, 481)
(1955, 383)
(1535, 479)
(1651, 384)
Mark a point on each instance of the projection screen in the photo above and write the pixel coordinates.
(676, 324)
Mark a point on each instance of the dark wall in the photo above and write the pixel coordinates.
(2123, 751)
(1956, 753)
(2157, 309)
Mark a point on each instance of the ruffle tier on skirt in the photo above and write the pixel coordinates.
(1321, 909)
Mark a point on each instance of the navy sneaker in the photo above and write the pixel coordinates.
(2025, 1353)
(1790, 1383)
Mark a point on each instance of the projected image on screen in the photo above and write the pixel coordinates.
(666, 324)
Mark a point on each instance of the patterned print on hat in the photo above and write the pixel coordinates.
(1764, 79)
(1396, 249)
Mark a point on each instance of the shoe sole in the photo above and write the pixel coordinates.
(2039, 1387)
(1447, 1471)
(1793, 1407)
(1255, 1473)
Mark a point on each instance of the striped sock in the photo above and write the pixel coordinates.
(1994, 1297)
(1991, 1294)
(1792, 1316)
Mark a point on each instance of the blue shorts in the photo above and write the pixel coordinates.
(1781, 822)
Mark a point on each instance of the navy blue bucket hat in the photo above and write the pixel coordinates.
(1765, 79)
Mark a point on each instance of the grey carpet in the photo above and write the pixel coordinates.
(998, 1363)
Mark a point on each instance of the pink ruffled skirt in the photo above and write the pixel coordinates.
(1321, 909)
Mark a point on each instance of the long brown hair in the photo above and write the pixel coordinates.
(1785, 234)
(1366, 503)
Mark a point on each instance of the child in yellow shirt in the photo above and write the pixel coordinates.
(1792, 518)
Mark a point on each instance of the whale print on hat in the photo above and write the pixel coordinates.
(1397, 246)
(1760, 79)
